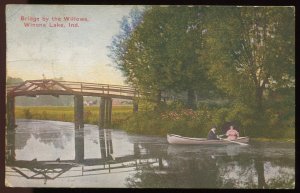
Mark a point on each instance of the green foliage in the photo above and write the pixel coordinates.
(181, 121)
(197, 123)
(143, 122)
(161, 53)
(251, 50)
(146, 105)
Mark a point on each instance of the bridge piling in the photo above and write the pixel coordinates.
(109, 142)
(105, 112)
(102, 143)
(78, 111)
(11, 120)
(101, 112)
(106, 147)
(11, 125)
(79, 146)
(108, 111)
(79, 132)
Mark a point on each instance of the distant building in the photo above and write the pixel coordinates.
(90, 102)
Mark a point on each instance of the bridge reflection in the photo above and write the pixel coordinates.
(109, 162)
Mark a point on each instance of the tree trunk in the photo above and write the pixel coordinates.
(259, 166)
(191, 99)
(158, 100)
(259, 97)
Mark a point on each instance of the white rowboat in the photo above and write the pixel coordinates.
(177, 139)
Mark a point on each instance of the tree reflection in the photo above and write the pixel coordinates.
(259, 167)
(179, 173)
(56, 138)
(215, 172)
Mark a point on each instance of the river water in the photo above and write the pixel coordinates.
(53, 154)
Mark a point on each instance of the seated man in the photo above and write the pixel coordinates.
(212, 134)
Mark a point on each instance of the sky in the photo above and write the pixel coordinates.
(74, 53)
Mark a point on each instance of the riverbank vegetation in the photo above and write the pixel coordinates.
(173, 118)
(196, 123)
(244, 55)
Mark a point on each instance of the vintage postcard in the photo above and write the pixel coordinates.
(135, 96)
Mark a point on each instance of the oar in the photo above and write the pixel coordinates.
(234, 141)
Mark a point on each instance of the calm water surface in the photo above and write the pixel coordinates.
(53, 154)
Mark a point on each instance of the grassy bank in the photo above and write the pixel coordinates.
(56, 113)
(197, 123)
(187, 122)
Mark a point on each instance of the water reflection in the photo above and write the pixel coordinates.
(55, 154)
(219, 171)
(53, 134)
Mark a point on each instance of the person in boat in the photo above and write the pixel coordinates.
(212, 135)
(232, 134)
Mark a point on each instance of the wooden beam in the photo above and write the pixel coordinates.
(106, 113)
(78, 112)
(102, 143)
(109, 113)
(30, 95)
(79, 131)
(79, 146)
(102, 112)
(10, 128)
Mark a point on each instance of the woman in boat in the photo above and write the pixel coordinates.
(232, 134)
(212, 134)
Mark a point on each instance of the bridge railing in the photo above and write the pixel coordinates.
(108, 89)
(73, 87)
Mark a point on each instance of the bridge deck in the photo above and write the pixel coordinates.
(54, 87)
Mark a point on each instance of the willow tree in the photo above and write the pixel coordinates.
(162, 52)
(252, 50)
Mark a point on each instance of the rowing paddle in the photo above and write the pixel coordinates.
(234, 141)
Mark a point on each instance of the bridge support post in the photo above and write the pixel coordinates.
(10, 125)
(105, 112)
(108, 111)
(78, 111)
(102, 143)
(102, 112)
(109, 142)
(106, 148)
(135, 106)
(79, 132)
(79, 146)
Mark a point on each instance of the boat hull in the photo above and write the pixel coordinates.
(177, 139)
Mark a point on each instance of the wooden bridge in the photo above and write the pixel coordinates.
(55, 88)
(106, 92)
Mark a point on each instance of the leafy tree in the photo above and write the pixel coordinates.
(119, 45)
(186, 66)
(252, 50)
(161, 53)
